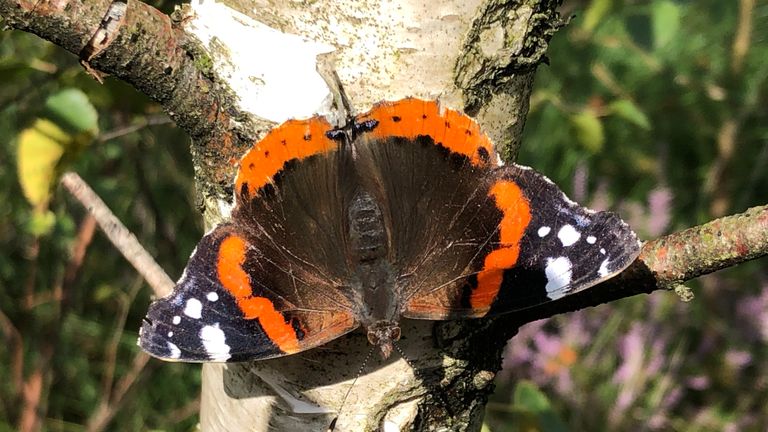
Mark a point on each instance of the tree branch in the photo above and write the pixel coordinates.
(145, 48)
(119, 235)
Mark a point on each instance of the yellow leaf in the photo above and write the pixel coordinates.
(40, 150)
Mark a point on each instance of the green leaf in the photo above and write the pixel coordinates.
(536, 410)
(71, 109)
(665, 15)
(41, 223)
(627, 110)
(103, 293)
(595, 13)
(589, 130)
(528, 397)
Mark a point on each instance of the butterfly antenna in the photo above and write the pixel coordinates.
(433, 390)
(332, 426)
(343, 98)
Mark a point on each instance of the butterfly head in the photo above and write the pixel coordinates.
(382, 334)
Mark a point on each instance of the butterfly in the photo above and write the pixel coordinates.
(405, 211)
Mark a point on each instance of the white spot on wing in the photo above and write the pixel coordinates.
(558, 272)
(194, 308)
(175, 351)
(176, 320)
(170, 334)
(543, 231)
(212, 296)
(591, 239)
(568, 235)
(603, 270)
(602, 251)
(214, 342)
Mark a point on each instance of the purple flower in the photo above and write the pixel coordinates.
(738, 359)
(660, 213)
(753, 311)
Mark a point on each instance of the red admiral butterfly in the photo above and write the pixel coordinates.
(403, 212)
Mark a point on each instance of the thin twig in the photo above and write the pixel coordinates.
(31, 396)
(153, 120)
(33, 251)
(125, 300)
(34, 403)
(100, 419)
(13, 341)
(743, 35)
(119, 235)
(180, 414)
(84, 237)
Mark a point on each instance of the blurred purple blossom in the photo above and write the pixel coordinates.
(659, 211)
(753, 314)
(601, 199)
(642, 357)
(738, 359)
(698, 382)
(580, 182)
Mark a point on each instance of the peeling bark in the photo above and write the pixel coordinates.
(476, 56)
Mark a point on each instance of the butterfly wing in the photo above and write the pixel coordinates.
(270, 282)
(465, 233)
(545, 247)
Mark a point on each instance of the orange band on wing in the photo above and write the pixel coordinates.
(516, 217)
(236, 281)
(409, 118)
(294, 139)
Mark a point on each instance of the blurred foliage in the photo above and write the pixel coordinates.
(69, 124)
(648, 107)
(69, 342)
(656, 109)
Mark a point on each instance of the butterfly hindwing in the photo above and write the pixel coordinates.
(202, 320)
(564, 248)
